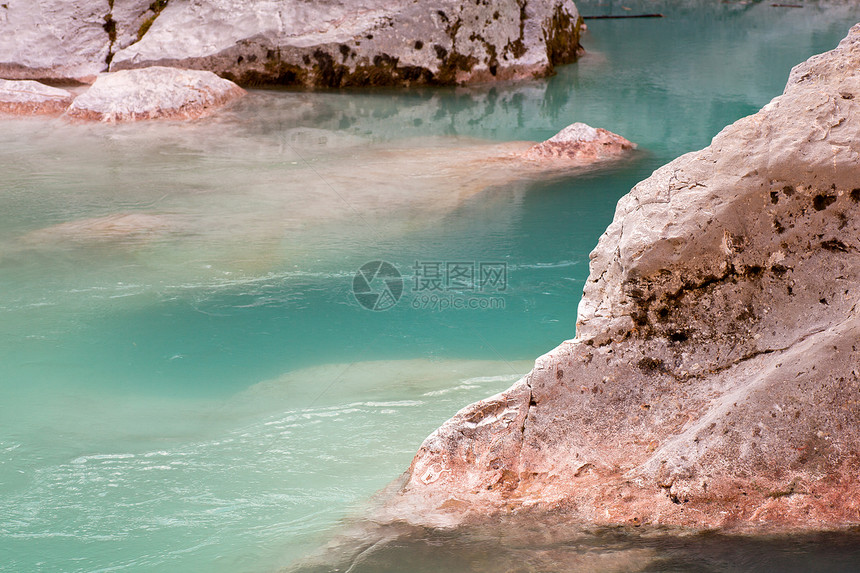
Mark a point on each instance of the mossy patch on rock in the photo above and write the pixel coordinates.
(156, 8)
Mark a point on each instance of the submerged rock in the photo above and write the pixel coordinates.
(713, 381)
(136, 227)
(379, 42)
(26, 97)
(154, 93)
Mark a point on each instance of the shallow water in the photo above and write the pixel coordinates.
(543, 550)
(188, 382)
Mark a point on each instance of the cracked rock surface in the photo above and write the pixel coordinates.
(61, 40)
(330, 43)
(313, 43)
(714, 380)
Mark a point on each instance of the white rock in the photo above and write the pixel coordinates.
(27, 97)
(130, 17)
(53, 39)
(321, 43)
(152, 93)
(579, 143)
(375, 42)
(573, 133)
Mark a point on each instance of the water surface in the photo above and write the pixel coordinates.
(188, 383)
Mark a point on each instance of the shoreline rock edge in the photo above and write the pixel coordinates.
(714, 380)
(153, 93)
(322, 44)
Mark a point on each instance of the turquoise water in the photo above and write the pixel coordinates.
(188, 383)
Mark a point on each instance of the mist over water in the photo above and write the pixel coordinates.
(187, 382)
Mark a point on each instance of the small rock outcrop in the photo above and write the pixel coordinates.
(714, 380)
(27, 97)
(579, 143)
(153, 93)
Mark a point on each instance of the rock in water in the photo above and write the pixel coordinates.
(118, 227)
(579, 143)
(713, 381)
(26, 97)
(154, 93)
(330, 43)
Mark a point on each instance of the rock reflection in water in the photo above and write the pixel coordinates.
(505, 548)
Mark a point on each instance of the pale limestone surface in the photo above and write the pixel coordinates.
(323, 43)
(153, 93)
(28, 97)
(379, 42)
(581, 143)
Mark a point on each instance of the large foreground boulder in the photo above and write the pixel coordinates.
(154, 93)
(714, 380)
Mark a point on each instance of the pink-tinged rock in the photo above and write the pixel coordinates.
(579, 143)
(154, 93)
(713, 381)
(27, 97)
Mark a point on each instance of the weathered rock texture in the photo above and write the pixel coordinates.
(579, 142)
(60, 40)
(326, 43)
(26, 97)
(154, 93)
(378, 42)
(714, 380)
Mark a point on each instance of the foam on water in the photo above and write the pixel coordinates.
(263, 472)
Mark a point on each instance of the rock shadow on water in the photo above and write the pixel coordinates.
(511, 546)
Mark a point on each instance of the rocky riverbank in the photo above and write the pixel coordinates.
(292, 42)
(130, 95)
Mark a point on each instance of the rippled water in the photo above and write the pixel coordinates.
(188, 383)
